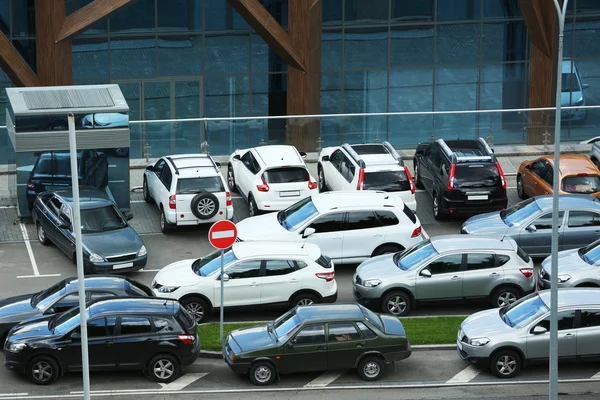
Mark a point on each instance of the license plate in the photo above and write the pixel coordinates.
(121, 266)
(290, 193)
(479, 197)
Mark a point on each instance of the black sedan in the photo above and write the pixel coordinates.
(63, 296)
(318, 338)
(109, 243)
(153, 335)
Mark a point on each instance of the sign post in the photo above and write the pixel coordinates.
(222, 235)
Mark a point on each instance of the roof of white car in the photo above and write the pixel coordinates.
(361, 199)
(193, 165)
(253, 249)
(279, 155)
(444, 243)
(574, 297)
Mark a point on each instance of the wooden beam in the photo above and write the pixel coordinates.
(13, 64)
(269, 29)
(88, 15)
(54, 59)
(538, 25)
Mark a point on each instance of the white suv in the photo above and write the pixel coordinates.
(349, 227)
(371, 166)
(256, 274)
(188, 189)
(271, 178)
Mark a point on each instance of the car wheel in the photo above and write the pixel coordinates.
(370, 368)
(505, 296)
(252, 207)
(122, 151)
(204, 205)
(147, 196)
(165, 227)
(385, 250)
(438, 212)
(231, 179)
(163, 368)
(41, 234)
(42, 370)
(505, 364)
(520, 189)
(418, 182)
(322, 184)
(304, 299)
(262, 373)
(196, 307)
(396, 303)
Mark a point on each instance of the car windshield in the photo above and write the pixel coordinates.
(101, 219)
(372, 318)
(296, 214)
(66, 321)
(513, 216)
(477, 175)
(46, 297)
(388, 181)
(415, 255)
(581, 184)
(591, 253)
(524, 311)
(570, 82)
(208, 265)
(286, 175)
(286, 325)
(211, 184)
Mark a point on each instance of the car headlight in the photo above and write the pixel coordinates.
(142, 252)
(579, 102)
(479, 341)
(563, 278)
(371, 283)
(16, 347)
(96, 258)
(167, 289)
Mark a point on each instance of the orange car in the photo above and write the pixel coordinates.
(578, 174)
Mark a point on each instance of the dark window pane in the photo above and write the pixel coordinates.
(211, 184)
(227, 53)
(590, 318)
(280, 267)
(482, 175)
(131, 92)
(73, 5)
(503, 259)
(565, 321)
(366, 12)
(582, 218)
(458, 10)
(421, 10)
(342, 332)
(332, 12)
(188, 135)
(366, 47)
(90, 58)
(135, 325)
(331, 50)
(328, 223)
(66, 303)
(111, 323)
(219, 90)
(411, 45)
(545, 221)
(366, 331)
(286, 175)
(502, 9)
(388, 181)
(365, 92)
(446, 265)
(480, 261)
(26, 47)
(220, 16)
(387, 218)
(179, 55)
(132, 57)
(585, 7)
(179, 15)
(331, 103)
(456, 88)
(410, 214)
(23, 18)
(458, 44)
(97, 328)
(5, 17)
(164, 325)
(137, 17)
(361, 220)
(504, 41)
(247, 269)
(313, 334)
(99, 295)
(586, 37)
(260, 95)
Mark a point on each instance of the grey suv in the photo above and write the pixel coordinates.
(576, 268)
(508, 338)
(448, 267)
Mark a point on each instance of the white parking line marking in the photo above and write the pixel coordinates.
(324, 379)
(8, 206)
(29, 251)
(37, 276)
(147, 270)
(222, 234)
(112, 166)
(466, 375)
(137, 201)
(182, 382)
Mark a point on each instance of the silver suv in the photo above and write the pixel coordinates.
(445, 268)
(576, 268)
(508, 338)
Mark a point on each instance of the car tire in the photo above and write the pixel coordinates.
(42, 370)
(370, 368)
(262, 373)
(418, 181)
(197, 307)
(147, 197)
(231, 179)
(163, 368)
(436, 207)
(304, 299)
(504, 296)
(122, 151)
(321, 177)
(520, 189)
(165, 226)
(253, 210)
(397, 303)
(41, 234)
(387, 249)
(205, 205)
(505, 364)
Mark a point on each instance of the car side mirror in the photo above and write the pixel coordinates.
(302, 154)
(426, 273)
(129, 217)
(225, 278)
(237, 157)
(531, 228)
(585, 86)
(538, 330)
(307, 232)
(76, 336)
(325, 158)
(150, 168)
(218, 164)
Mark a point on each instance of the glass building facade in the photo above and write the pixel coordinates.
(199, 58)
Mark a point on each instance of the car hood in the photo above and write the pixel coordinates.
(253, 338)
(16, 309)
(378, 267)
(113, 243)
(484, 324)
(568, 261)
(263, 227)
(31, 330)
(178, 274)
(485, 223)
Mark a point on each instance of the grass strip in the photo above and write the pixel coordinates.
(420, 331)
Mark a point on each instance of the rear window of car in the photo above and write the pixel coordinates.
(212, 184)
(44, 165)
(286, 175)
(137, 289)
(477, 175)
(522, 255)
(581, 184)
(410, 214)
(324, 261)
(389, 181)
(184, 318)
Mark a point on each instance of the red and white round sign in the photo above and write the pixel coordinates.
(222, 234)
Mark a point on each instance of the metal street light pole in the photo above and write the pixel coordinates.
(553, 390)
(79, 257)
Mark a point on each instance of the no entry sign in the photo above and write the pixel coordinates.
(222, 234)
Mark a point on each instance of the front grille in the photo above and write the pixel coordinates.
(125, 257)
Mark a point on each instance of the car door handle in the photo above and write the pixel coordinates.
(378, 235)
(109, 343)
(455, 278)
(321, 348)
(294, 280)
(359, 345)
(254, 283)
(337, 237)
(494, 274)
(569, 335)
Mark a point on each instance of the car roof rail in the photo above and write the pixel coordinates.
(457, 159)
(393, 152)
(354, 155)
(174, 166)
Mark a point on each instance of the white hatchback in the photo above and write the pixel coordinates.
(256, 274)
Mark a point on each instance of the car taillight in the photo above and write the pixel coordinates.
(328, 276)
(501, 175)
(186, 339)
(264, 187)
(172, 204)
(312, 185)
(416, 232)
(30, 184)
(410, 179)
(228, 199)
(451, 177)
(361, 179)
(527, 272)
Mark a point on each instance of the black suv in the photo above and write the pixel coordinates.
(463, 177)
(154, 335)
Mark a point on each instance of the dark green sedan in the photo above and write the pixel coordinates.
(318, 338)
